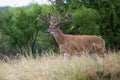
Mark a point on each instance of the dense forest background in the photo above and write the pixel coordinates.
(22, 31)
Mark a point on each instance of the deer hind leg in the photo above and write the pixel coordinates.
(99, 50)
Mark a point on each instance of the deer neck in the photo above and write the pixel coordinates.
(59, 36)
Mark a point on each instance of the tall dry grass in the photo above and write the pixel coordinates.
(56, 68)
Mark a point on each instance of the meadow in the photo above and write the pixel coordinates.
(57, 68)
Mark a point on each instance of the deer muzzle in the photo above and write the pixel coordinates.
(47, 32)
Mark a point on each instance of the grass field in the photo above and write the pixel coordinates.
(56, 68)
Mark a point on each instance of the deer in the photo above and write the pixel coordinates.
(71, 44)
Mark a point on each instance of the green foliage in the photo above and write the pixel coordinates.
(47, 9)
(118, 74)
(110, 25)
(104, 76)
(85, 21)
(22, 26)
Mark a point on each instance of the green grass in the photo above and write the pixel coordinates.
(56, 68)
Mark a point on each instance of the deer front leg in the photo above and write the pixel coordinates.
(65, 53)
(67, 56)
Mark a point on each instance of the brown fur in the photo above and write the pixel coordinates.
(71, 44)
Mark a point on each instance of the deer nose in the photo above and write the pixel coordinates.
(46, 31)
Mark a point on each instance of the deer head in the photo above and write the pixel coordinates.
(55, 22)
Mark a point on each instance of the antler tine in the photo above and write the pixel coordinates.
(49, 15)
(46, 18)
(68, 17)
(57, 18)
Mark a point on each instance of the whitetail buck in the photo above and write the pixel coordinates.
(70, 44)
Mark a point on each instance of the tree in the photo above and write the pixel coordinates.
(21, 26)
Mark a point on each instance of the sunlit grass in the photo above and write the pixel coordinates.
(56, 68)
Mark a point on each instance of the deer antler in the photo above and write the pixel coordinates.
(51, 19)
(68, 19)
(46, 18)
